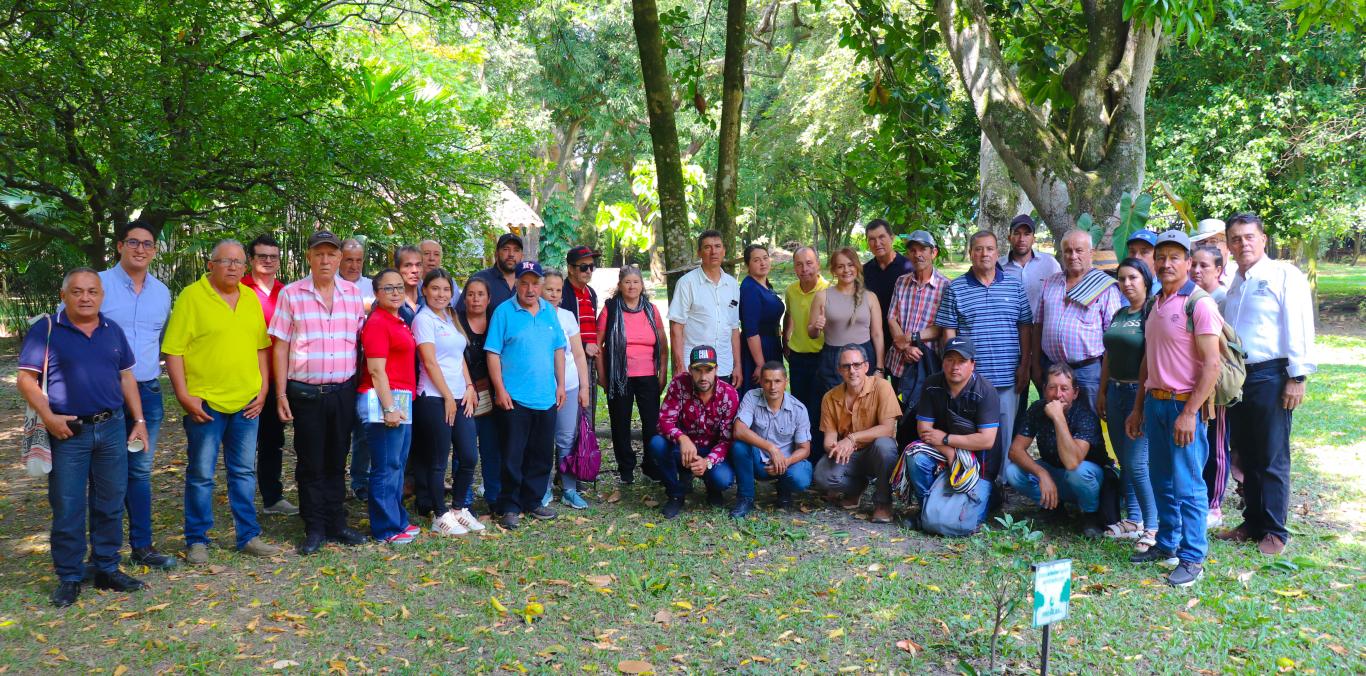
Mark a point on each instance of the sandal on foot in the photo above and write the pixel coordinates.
(1146, 541)
(1124, 530)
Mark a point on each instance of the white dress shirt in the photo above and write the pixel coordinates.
(1032, 274)
(709, 312)
(1270, 307)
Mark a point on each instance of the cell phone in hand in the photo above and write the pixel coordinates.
(75, 426)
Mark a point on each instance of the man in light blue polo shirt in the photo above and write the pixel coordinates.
(525, 345)
(991, 308)
(772, 441)
(140, 304)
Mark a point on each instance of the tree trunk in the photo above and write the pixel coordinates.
(1086, 161)
(732, 101)
(999, 198)
(673, 207)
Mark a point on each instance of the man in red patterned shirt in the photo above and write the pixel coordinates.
(582, 300)
(696, 427)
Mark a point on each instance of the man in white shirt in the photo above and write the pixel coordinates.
(705, 310)
(1029, 265)
(1270, 307)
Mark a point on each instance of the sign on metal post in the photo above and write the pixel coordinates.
(1052, 591)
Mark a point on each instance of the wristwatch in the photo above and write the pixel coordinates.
(392, 409)
(945, 442)
(710, 464)
(1298, 379)
(915, 337)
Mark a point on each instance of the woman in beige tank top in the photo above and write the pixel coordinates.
(846, 313)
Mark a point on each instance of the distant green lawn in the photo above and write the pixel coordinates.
(1338, 279)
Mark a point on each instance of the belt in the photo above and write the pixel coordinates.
(1083, 363)
(1268, 364)
(1168, 395)
(327, 388)
(97, 418)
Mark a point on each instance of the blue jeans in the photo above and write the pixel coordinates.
(236, 433)
(138, 501)
(1177, 473)
(89, 475)
(388, 456)
(676, 479)
(1140, 505)
(566, 430)
(1080, 486)
(360, 458)
(490, 458)
(747, 463)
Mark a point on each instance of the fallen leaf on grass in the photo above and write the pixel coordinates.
(599, 580)
(834, 633)
(1185, 616)
(120, 670)
(1193, 602)
(635, 667)
(651, 502)
(615, 497)
(663, 617)
(909, 646)
(283, 664)
(682, 605)
(1288, 593)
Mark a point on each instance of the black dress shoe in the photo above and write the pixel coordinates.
(716, 498)
(671, 508)
(785, 501)
(347, 536)
(65, 594)
(151, 558)
(117, 581)
(742, 508)
(311, 544)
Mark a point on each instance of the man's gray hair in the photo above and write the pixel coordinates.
(853, 347)
(66, 279)
(225, 242)
(352, 243)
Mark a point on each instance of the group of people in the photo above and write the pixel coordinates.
(916, 384)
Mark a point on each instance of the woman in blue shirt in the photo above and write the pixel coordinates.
(761, 317)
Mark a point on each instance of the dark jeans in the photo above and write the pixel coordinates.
(433, 442)
(235, 435)
(489, 429)
(322, 435)
(270, 444)
(138, 499)
(528, 457)
(1259, 428)
(388, 456)
(89, 475)
(644, 392)
(803, 379)
(676, 478)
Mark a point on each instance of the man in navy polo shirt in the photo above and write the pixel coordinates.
(526, 344)
(89, 369)
(991, 308)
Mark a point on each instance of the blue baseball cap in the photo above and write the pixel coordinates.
(1144, 235)
(962, 345)
(530, 267)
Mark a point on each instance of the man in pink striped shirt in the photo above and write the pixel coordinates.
(316, 322)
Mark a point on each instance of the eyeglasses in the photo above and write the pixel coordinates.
(392, 288)
(136, 244)
(852, 365)
(266, 257)
(587, 267)
(229, 262)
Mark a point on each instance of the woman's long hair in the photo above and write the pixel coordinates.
(858, 275)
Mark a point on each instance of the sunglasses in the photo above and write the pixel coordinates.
(852, 365)
(586, 267)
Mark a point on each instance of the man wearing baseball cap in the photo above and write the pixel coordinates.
(501, 277)
(316, 323)
(915, 298)
(1179, 371)
(1024, 262)
(582, 301)
(526, 344)
(958, 419)
(1141, 245)
(696, 429)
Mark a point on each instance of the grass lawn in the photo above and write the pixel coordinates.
(1340, 279)
(812, 591)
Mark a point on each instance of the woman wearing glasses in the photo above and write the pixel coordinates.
(384, 403)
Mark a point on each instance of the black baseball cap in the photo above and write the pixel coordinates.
(1022, 219)
(510, 238)
(702, 354)
(963, 346)
(579, 253)
(324, 237)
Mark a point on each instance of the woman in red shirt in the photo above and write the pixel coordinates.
(384, 405)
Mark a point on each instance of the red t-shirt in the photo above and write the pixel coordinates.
(588, 324)
(387, 336)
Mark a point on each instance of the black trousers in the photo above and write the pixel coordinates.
(806, 384)
(644, 393)
(270, 444)
(1259, 429)
(528, 457)
(322, 437)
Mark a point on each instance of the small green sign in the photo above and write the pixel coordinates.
(1052, 591)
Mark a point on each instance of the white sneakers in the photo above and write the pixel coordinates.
(456, 522)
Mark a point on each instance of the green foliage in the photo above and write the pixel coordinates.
(561, 231)
(1086, 223)
(1133, 216)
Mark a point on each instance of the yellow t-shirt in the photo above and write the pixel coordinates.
(219, 344)
(799, 308)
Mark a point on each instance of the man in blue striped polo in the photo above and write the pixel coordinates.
(991, 308)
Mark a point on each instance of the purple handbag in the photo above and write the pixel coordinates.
(585, 460)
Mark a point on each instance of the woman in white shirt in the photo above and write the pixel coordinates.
(443, 412)
(575, 372)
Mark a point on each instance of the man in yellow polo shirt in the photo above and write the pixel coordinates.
(216, 355)
(804, 352)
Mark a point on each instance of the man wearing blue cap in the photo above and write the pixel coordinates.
(525, 337)
(1141, 245)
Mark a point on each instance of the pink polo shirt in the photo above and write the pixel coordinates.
(1169, 348)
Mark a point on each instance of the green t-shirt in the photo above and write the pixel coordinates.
(1124, 343)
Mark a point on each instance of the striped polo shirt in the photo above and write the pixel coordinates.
(991, 316)
(322, 344)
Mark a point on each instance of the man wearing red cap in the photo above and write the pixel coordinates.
(582, 300)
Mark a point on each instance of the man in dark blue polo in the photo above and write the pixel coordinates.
(88, 364)
(501, 278)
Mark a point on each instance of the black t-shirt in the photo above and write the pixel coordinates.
(977, 407)
(882, 282)
(1081, 421)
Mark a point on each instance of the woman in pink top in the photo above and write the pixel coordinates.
(632, 367)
